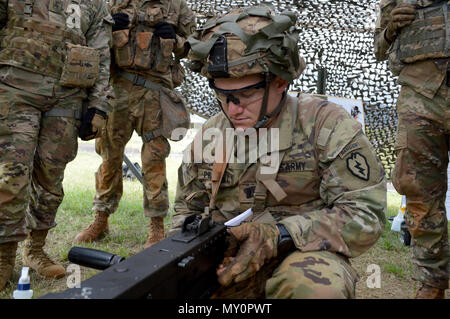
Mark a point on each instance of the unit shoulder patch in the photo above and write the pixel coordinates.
(357, 165)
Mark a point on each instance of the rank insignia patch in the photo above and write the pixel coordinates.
(358, 166)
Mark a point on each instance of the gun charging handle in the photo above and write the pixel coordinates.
(93, 258)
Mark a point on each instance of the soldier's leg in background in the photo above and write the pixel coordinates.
(19, 130)
(108, 178)
(312, 275)
(421, 174)
(111, 146)
(57, 146)
(154, 154)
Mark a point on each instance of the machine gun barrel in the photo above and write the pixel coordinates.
(93, 258)
(180, 266)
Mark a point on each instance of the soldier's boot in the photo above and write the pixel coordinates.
(156, 231)
(428, 292)
(7, 260)
(34, 256)
(96, 230)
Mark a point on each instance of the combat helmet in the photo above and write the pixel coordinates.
(247, 41)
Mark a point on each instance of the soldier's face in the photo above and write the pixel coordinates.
(243, 108)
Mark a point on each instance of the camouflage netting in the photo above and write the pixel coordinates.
(337, 36)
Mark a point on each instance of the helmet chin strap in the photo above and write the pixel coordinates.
(263, 117)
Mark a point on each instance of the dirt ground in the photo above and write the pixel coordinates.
(392, 286)
(395, 283)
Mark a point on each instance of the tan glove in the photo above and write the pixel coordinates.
(98, 124)
(401, 16)
(92, 124)
(257, 245)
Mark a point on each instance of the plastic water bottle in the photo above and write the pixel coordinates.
(399, 219)
(23, 287)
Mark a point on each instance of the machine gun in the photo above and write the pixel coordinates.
(180, 266)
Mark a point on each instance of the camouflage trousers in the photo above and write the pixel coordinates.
(420, 174)
(312, 275)
(301, 275)
(136, 109)
(34, 151)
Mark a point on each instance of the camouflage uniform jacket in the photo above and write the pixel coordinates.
(425, 77)
(88, 18)
(334, 182)
(175, 12)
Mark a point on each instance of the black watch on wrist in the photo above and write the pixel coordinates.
(285, 242)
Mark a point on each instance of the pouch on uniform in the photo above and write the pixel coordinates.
(164, 59)
(143, 58)
(425, 38)
(123, 54)
(81, 66)
(174, 114)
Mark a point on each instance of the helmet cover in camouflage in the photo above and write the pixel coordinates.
(247, 41)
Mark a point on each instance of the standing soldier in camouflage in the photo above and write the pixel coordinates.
(149, 40)
(413, 37)
(53, 55)
(319, 197)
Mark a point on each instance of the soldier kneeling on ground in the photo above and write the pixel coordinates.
(318, 197)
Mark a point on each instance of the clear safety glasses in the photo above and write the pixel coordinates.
(243, 96)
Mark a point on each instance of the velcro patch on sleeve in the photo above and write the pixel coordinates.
(323, 137)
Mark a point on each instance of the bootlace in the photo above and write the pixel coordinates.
(40, 257)
(97, 225)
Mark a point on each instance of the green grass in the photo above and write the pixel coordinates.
(393, 268)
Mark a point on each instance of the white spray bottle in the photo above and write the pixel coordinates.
(23, 287)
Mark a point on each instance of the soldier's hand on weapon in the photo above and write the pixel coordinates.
(121, 21)
(165, 30)
(92, 124)
(257, 244)
(401, 16)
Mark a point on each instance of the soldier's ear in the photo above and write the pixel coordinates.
(280, 85)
